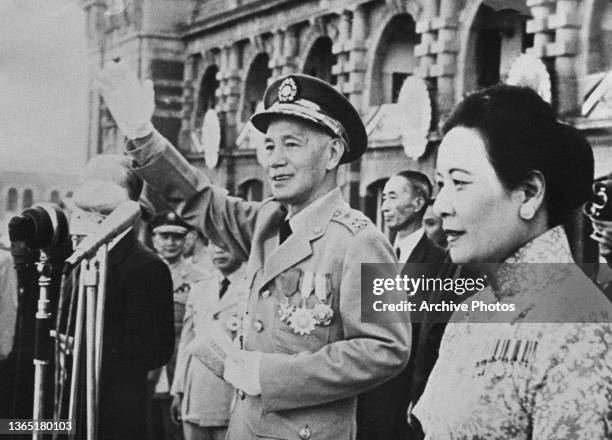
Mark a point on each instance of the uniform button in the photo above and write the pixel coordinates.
(336, 213)
(241, 394)
(317, 230)
(258, 326)
(265, 293)
(305, 433)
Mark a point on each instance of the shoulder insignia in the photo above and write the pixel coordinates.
(353, 220)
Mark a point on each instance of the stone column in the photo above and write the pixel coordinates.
(437, 53)
(188, 102)
(566, 23)
(340, 49)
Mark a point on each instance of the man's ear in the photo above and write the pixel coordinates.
(337, 147)
(533, 190)
(419, 204)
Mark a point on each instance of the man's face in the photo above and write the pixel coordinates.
(400, 205)
(169, 245)
(223, 259)
(433, 227)
(296, 158)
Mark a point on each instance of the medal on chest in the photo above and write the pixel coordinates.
(506, 355)
(313, 310)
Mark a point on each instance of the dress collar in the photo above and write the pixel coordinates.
(550, 247)
(534, 266)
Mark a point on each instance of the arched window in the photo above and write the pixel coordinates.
(600, 38)
(55, 197)
(373, 202)
(497, 37)
(251, 190)
(320, 60)
(255, 84)
(394, 59)
(12, 200)
(207, 98)
(28, 199)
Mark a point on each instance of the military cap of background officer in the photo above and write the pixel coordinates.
(168, 223)
(309, 98)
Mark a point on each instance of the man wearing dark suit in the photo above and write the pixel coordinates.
(382, 412)
(138, 316)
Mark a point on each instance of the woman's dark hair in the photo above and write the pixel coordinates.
(521, 135)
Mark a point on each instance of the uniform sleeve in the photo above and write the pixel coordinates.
(575, 401)
(370, 353)
(149, 329)
(187, 335)
(225, 220)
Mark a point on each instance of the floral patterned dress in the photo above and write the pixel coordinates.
(543, 373)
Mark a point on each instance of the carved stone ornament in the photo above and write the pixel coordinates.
(529, 71)
(211, 138)
(414, 105)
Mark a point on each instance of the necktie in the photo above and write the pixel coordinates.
(224, 285)
(284, 231)
(398, 252)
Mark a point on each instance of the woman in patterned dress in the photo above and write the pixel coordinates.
(532, 359)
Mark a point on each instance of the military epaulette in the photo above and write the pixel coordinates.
(352, 219)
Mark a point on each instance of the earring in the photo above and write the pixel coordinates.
(526, 212)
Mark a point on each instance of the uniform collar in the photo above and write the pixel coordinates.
(235, 290)
(233, 277)
(179, 262)
(308, 225)
(316, 215)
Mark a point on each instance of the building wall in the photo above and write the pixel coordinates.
(448, 45)
(44, 187)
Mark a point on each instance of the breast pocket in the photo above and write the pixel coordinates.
(304, 311)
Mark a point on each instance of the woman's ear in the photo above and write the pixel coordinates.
(336, 151)
(532, 190)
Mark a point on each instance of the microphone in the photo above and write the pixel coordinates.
(124, 216)
(41, 226)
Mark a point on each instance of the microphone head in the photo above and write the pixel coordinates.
(41, 226)
(123, 217)
(21, 228)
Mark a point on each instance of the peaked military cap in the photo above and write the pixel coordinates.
(309, 98)
(170, 223)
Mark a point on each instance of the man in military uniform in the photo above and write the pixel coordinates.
(306, 352)
(202, 400)
(168, 232)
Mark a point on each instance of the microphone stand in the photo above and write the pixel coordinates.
(90, 281)
(41, 338)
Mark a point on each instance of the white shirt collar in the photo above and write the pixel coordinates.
(407, 244)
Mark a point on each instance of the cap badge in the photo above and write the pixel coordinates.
(172, 217)
(287, 91)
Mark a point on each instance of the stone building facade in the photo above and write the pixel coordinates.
(211, 60)
(20, 190)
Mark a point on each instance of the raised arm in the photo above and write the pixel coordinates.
(227, 221)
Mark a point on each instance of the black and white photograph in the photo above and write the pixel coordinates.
(306, 219)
